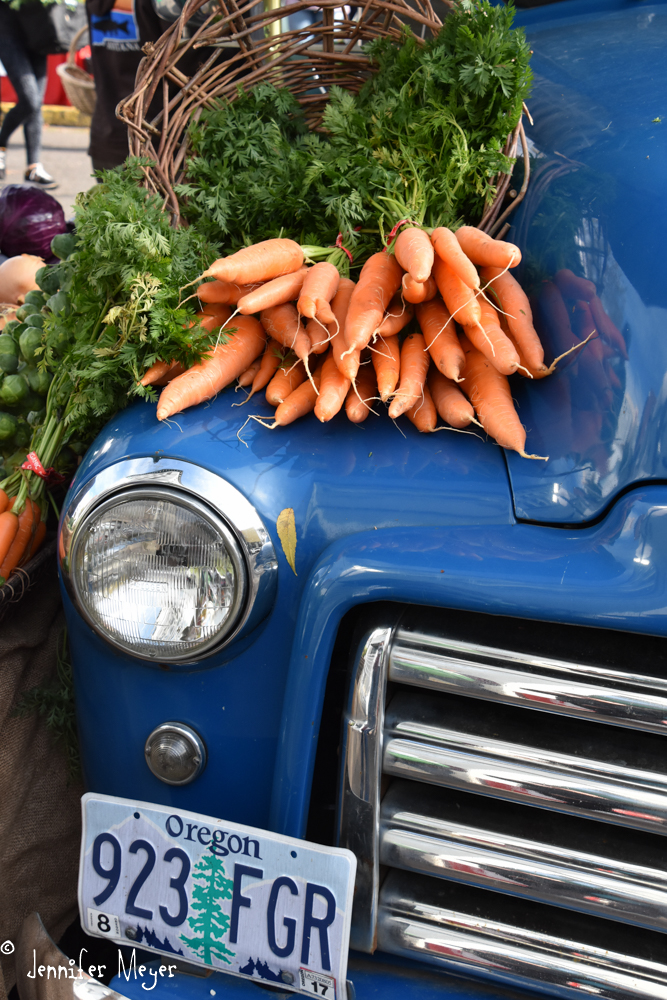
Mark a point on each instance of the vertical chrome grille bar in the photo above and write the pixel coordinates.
(361, 769)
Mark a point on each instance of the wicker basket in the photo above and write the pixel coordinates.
(77, 84)
(308, 61)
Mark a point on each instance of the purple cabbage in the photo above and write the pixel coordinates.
(29, 219)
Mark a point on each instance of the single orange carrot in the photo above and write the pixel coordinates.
(211, 321)
(248, 376)
(214, 372)
(283, 323)
(518, 314)
(449, 401)
(271, 358)
(459, 298)
(318, 290)
(318, 335)
(223, 292)
(415, 360)
(423, 413)
(4, 501)
(358, 403)
(35, 542)
(215, 309)
(20, 541)
(414, 252)
(440, 337)
(492, 342)
(298, 403)
(273, 293)
(574, 287)
(333, 390)
(482, 249)
(347, 361)
(418, 291)
(449, 249)
(489, 392)
(36, 518)
(156, 371)
(289, 374)
(173, 372)
(525, 370)
(9, 525)
(380, 277)
(397, 316)
(259, 262)
(386, 356)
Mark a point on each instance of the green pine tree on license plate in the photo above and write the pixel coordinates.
(210, 924)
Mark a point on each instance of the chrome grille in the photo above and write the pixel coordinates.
(475, 774)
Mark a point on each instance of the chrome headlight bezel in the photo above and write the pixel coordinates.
(203, 492)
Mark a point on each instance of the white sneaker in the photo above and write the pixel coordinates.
(38, 175)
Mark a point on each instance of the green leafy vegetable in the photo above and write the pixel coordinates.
(126, 268)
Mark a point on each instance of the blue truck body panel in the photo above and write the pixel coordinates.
(600, 74)
(340, 482)
(611, 575)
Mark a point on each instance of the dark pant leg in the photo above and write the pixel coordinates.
(27, 75)
(32, 126)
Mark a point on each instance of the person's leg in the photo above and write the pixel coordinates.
(27, 75)
(19, 69)
(32, 126)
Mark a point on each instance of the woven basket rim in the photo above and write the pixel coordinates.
(85, 80)
(164, 139)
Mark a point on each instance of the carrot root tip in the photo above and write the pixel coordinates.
(539, 458)
(260, 420)
(552, 366)
(458, 430)
(398, 428)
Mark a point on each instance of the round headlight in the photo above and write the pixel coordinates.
(158, 573)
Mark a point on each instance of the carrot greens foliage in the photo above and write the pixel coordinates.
(112, 310)
(422, 140)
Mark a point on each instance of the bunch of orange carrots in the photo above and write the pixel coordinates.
(318, 342)
(20, 535)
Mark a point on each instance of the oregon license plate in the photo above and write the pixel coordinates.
(229, 897)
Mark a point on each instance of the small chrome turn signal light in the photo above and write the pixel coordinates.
(175, 753)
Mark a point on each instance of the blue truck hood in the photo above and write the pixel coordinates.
(339, 479)
(596, 205)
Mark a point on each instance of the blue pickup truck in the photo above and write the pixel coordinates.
(443, 730)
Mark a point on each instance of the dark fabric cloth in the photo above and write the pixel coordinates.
(26, 71)
(40, 811)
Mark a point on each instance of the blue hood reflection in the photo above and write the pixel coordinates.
(596, 206)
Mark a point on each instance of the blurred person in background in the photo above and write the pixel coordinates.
(115, 56)
(26, 71)
(118, 30)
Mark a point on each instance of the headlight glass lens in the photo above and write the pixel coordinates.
(158, 575)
